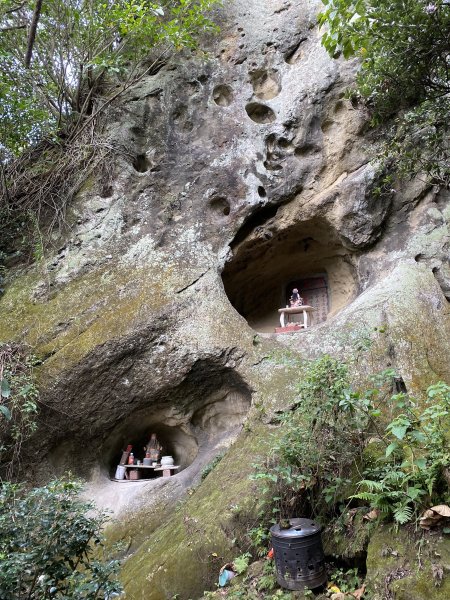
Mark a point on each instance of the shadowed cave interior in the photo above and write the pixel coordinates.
(267, 264)
(204, 416)
(191, 419)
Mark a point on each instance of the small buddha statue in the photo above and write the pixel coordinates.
(295, 299)
(153, 448)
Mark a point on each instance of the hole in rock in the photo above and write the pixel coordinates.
(191, 420)
(399, 385)
(284, 143)
(141, 164)
(261, 191)
(260, 113)
(306, 150)
(265, 84)
(223, 95)
(272, 166)
(174, 441)
(220, 206)
(294, 54)
(268, 264)
(106, 192)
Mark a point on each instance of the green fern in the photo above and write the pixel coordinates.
(402, 514)
(366, 496)
(372, 486)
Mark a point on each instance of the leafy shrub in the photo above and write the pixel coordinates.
(48, 544)
(259, 538)
(240, 563)
(19, 402)
(268, 580)
(320, 439)
(316, 456)
(414, 472)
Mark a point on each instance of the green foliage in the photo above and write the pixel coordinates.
(240, 563)
(50, 548)
(80, 47)
(321, 438)
(212, 465)
(20, 397)
(403, 46)
(346, 580)
(412, 473)
(259, 538)
(268, 580)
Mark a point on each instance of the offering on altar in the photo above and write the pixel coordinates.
(153, 448)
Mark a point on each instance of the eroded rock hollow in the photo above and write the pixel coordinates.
(243, 174)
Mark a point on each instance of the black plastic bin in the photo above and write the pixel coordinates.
(298, 554)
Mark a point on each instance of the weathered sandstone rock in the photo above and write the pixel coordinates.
(241, 171)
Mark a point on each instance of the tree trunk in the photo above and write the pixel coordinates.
(32, 34)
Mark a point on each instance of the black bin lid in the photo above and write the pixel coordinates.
(298, 528)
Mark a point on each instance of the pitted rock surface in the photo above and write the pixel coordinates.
(240, 171)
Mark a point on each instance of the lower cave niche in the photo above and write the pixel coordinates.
(268, 264)
(174, 441)
(188, 427)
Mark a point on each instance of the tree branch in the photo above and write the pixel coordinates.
(12, 28)
(32, 34)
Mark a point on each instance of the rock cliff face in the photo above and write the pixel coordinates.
(242, 171)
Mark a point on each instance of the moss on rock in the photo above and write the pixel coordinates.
(404, 565)
(184, 556)
(88, 311)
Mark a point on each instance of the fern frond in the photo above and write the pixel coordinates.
(372, 486)
(366, 496)
(403, 514)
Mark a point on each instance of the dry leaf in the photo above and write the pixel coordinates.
(441, 509)
(434, 515)
(372, 515)
(429, 519)
(427, 523)
(359, 593)
(428, 514)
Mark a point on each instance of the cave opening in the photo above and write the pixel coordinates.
(189, 421)
(195, 418)
(269, 262)
(174, 441)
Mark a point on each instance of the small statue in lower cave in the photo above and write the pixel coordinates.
(153, 448)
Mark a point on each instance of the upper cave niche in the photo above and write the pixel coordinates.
(268, 264)
(266, 84)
